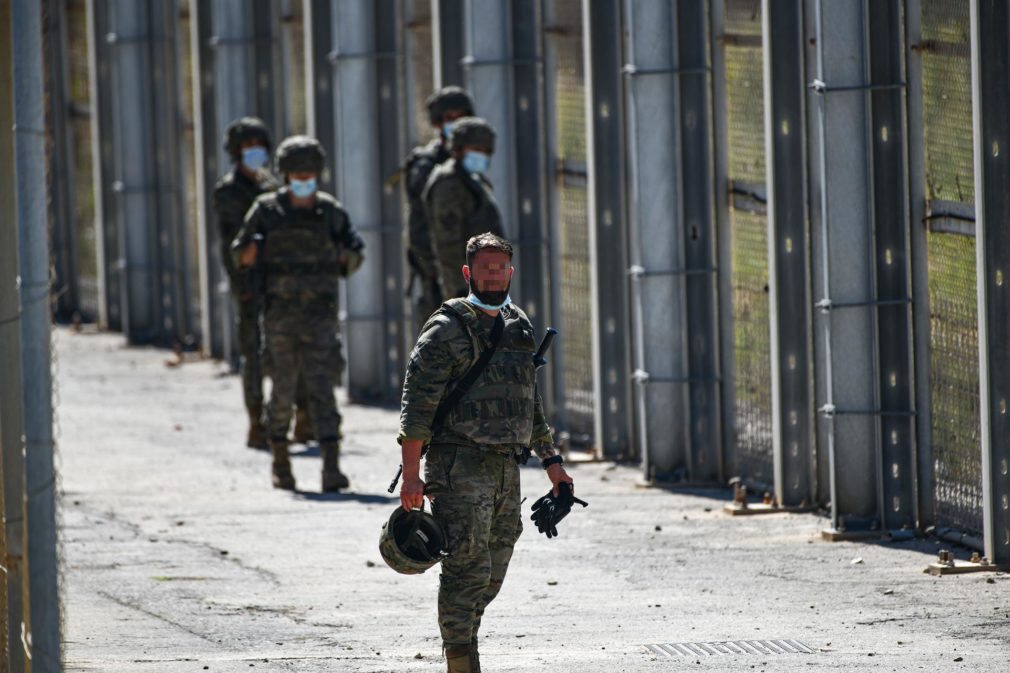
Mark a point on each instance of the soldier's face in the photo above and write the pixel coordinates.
(491, 271)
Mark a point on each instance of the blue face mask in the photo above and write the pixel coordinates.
(255, 158)
(476, 162)
(303, 188)
(472, 298)
(447, 129)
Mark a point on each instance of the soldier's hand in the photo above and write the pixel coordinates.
(248, 256)
(412, 494)
(556, 473)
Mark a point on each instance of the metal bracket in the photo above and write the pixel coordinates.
(827, 305)
(638, 272)
(632, 70)
(830, 411)
(819, 87)
(335, 57)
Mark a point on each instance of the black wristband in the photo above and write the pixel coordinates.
(553, 460)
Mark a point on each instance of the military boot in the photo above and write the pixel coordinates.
(333, 478)
(257, 437)
(303, 426)
(459, 659)
(281, 471)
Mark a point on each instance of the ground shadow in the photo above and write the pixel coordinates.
(364, 498)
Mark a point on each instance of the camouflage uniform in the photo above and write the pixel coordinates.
(420, 255)
(234, 193)
(303, 252)
(459, 205)
(471, 468)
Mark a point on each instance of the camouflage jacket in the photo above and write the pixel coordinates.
(459, 205)
(417, 169)
(502, 410)
(234, 194)
(302, 252)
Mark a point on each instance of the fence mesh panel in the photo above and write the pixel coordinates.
(569, 96)
(749, 232)
(954, 375)
(422, 72)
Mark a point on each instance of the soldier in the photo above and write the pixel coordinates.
(445, 106)
(304, 242)
(459, 202)
(247, 142)
(471, 471)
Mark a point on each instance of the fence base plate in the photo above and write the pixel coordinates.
(957, 567)
(750, 509)
(835, 535)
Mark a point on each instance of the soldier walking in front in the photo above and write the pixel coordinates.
(459, 202)
(304, 243)
(445, 106)
(472, 462)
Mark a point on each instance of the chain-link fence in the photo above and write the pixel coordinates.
(954, 374)
(749, 233)
(567, 97)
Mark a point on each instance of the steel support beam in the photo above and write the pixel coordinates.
(43, 632)
(788, 254)
(891, 269)
(488, 63)
(319, 96)
(61, 170)
(990, 65)
(531, 164)
(607, 207)
(100, 83)
(354, 68)
(925, 484)
(390, 145)
(448, 42)
(11, 400)
(148, 171)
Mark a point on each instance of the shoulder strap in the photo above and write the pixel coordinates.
(472, 374)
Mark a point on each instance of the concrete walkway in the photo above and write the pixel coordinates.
(178, 556)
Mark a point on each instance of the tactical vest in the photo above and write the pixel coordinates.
(300, 253)
(498, 409)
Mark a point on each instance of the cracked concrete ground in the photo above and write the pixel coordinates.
(178, 556)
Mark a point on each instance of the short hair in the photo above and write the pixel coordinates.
(486, 241)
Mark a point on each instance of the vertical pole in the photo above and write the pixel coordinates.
(270, 90)
(319, 95)
(11, 401)
(655, 240)
(487, 67)
(447, 42)
(990, 62)
(895, 385)
(531, 162)
(390, 147)
(920, 268)
(605, 151)
(61, 191)
(788, 254)
(356, 124)
(100, 76)
(33, 255)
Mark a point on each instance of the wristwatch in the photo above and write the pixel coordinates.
(553, 460)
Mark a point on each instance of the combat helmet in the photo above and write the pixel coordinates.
(411, 542)
(241, 130)
(448, 98)
(300, 154)
(472, 131)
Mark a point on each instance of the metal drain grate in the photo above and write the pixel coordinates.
(723, 648)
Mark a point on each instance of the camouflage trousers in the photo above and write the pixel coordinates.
(476, 499)
(254, 358)
(309, 352)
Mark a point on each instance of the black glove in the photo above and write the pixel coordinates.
(549, 510)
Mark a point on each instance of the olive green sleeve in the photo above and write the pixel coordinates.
(442, 353)
(542, 440)
(252, 229)
(449, 203)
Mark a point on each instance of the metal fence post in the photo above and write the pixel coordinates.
(488, 73)
(788, 254)
(990, 32)
(11, 400)
(530, 229)
(605, 159)
(319, 95)
(447, 42)
(61, 193)
(100, 83)
(353, 60)
(43, 634)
